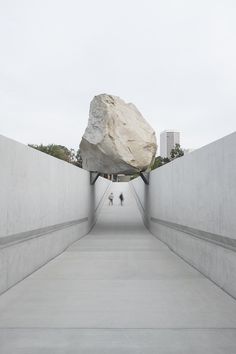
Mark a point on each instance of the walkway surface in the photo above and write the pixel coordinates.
(117, 290)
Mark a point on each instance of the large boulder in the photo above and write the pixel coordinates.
(117, 139)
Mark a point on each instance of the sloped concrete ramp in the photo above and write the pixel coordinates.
(117, 290)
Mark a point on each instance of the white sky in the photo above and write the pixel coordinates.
(174, 59)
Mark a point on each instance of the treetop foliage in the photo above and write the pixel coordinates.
(174, 154)
(61, 152)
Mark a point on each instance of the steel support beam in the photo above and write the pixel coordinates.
(145, 177)
(93, 177)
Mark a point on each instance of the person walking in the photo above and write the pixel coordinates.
(111, 197)
(121, 198)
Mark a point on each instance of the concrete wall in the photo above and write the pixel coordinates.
(45, 205)
(190, 204)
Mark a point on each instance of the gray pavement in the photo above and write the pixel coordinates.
(117, 290)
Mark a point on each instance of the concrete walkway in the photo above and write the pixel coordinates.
(117, 290)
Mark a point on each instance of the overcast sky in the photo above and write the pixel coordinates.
(174, 59)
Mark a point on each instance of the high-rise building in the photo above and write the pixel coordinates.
(168, 139)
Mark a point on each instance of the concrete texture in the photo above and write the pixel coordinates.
(196, 191)
(40, 192)
(117, 290)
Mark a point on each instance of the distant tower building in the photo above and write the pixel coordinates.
(168, 139)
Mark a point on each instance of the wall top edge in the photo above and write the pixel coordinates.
(28, 149)
(199, 150)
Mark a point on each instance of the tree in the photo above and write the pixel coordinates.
(160, 161)
(176, 152)
(61, 152)
(78, 159)
(157, 162)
